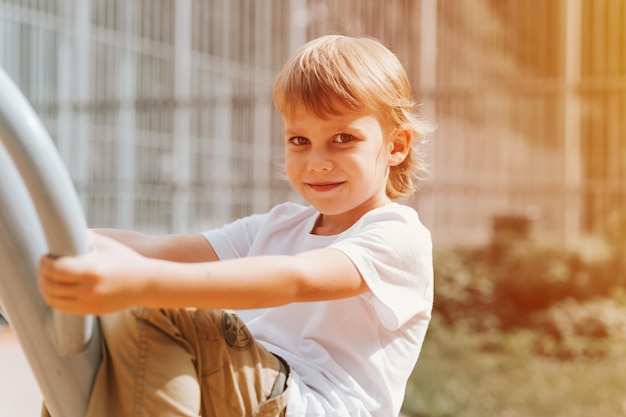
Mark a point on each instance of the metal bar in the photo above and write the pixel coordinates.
(48, 344)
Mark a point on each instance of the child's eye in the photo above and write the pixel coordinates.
(299, 140)
(344, 138)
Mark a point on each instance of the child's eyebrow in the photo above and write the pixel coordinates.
(292, 132)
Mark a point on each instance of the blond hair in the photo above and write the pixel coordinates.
(359, 74)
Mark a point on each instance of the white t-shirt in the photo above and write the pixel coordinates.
(349, 357)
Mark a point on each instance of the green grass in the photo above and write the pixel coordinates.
(463, 374)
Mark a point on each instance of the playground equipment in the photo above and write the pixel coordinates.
(41, 213)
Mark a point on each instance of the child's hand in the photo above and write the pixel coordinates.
(106, 279)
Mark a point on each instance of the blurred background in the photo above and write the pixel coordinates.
(162, 109)
(162, 112)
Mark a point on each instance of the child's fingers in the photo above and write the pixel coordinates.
(64, 269)
(54, 293)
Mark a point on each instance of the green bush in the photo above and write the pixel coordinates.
(506, 287)
(463, 287)
(572, 329)
(529, 278)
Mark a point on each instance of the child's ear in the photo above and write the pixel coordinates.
(399, 146)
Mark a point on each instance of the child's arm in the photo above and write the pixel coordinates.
(113, 277)
(192, 247)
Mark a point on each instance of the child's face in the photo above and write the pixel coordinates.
(339, 164)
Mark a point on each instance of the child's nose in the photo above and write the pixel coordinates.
(319, 160)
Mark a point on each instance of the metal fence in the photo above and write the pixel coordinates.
(162, 109)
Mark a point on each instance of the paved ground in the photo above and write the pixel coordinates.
(19, 394)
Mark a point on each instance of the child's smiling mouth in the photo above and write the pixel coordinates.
(324, 186)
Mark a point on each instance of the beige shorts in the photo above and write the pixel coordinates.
(185, 362)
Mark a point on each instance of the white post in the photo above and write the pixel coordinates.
(126, 127)
(81, 81)
(427, 85)
(182, 116)
(4, 50)
(222, 157)
(299, 19)
(262, 162)
(262, 115)
(571, 120)
(64, 79)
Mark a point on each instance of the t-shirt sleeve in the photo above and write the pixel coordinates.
(393, 253)
(234, 240)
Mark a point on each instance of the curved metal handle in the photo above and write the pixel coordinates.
(53, 195)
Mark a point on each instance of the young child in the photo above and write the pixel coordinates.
(336, 296)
